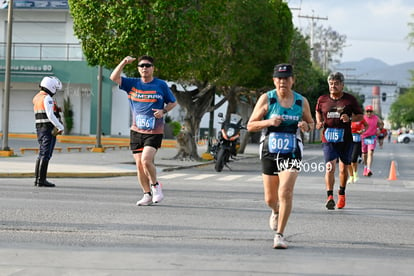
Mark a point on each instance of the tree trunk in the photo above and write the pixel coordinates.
(184, 146)
(233, 94)
(195, 103)
(244, 141)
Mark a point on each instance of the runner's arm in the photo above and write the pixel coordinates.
(116, 74)
(307, 122)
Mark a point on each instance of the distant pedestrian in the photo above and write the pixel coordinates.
(334, 113)
(369, 139)
(150, 100)
(382, 133)
(48, 125)
(357, 129)
(280, 114)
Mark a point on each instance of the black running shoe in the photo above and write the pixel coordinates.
(330, 203)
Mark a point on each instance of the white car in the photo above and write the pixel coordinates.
(405, 138)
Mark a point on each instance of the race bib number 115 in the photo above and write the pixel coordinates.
(334, 135)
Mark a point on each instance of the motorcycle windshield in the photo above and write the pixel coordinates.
(235, 118)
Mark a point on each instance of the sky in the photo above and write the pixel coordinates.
(374, 28)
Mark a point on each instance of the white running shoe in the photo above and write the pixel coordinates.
(145, 200)
(356, 178)
(273, 221)
(279, 242)
(157, 195)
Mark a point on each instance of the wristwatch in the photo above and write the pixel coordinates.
(165, 111)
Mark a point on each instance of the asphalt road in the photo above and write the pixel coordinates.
(210, 224)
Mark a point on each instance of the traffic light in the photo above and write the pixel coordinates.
(384, 96)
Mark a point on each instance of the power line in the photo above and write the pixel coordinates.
(313, 18)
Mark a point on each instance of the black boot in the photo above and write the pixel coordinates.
(36, 182)
(43, 173)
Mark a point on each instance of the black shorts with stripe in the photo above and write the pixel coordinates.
(140, 140)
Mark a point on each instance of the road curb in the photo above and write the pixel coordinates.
(164, 168)
(161, 167)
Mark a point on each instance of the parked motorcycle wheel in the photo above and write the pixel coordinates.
(222, 156)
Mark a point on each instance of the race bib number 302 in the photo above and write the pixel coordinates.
(145, 122)
(334, 135)
(280, 142)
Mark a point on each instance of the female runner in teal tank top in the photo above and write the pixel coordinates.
(280, 114)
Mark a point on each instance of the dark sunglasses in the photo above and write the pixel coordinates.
(147, 65)
(369, 111)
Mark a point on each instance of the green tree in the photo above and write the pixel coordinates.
(244, 57)
(110, 30)
(182, 35)
(402, 110)
(257, 36)
(208, 43)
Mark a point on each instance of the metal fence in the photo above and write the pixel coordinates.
(43, 51)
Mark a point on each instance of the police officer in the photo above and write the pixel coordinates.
(48, 125)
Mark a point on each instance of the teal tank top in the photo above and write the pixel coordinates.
(291, 115)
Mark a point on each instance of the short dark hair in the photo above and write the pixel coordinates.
(146, 57)
(336, 76)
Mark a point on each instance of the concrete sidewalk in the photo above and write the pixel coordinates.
(115, 161)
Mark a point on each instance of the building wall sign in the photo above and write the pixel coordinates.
(37, 4)
(46, 69)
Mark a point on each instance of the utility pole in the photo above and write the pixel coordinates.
(313, 18)
(5, 150)
(98, 147)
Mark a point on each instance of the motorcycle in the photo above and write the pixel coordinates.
(228, 141)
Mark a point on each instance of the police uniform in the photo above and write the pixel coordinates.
(47, 119)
